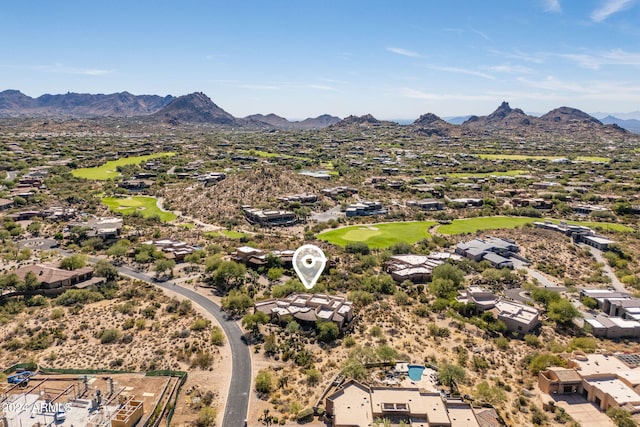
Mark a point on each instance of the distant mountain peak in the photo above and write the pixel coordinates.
(14, 103)
(567, 115)
(194, 108)
(427, 119)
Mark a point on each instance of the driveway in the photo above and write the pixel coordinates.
(326, 216)
(535, 274)
(597, 254)
(585, 413)
(238, 397)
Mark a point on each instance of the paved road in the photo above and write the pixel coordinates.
(326, 216)
(541, 278)
(238, 397)
(615, 282)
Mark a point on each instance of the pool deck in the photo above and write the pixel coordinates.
(425, 382)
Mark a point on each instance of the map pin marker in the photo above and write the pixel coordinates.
(309, 262)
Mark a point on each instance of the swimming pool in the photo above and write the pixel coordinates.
(415, 372)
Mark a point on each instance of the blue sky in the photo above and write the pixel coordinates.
(394, 59)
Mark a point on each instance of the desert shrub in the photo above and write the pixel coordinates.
(128, 323)
(78, 297)
(264, 382)
(358, 248)
(109, 336)
(217, 336)
(56, 313)
(304, 415)
(202, 360)
(199, 324)
(206, 417)
(532, 340)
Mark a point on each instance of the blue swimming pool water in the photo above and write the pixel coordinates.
(415, 372)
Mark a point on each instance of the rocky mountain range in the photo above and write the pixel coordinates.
(632, 125)
(513, 123)
(282, 123)
(14, 103)
(198, 108)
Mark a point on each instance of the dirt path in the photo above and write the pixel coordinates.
(184, 218)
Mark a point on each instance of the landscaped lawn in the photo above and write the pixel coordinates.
(379, 235)
(109, 169)
(527, 157)
(230, 234)
(144, 204)
(607, 226)
(471, 225)
(486, 174)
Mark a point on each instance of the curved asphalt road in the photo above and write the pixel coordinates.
(238, 396)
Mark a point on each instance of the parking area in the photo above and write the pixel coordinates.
(585, 413)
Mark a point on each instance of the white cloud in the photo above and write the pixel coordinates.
(481, 34)
(603, 90)
(609, 8)
(61, 69)
(258, 86)
(321, 87)
(510, 69)
(461, 71)
(403, 52)
(595, 60)
(535, 58)
(552, 6)
(428, 96)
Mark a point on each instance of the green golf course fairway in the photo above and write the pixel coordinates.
(592, 159)
(144, 204)
(379, 235)
(109, 169)
(471, 225)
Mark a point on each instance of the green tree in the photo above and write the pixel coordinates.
(358, 248)
(386, 353)
(73, 262)
(540, 361)
(264, 382)
(253, 321)
(313, 376)
(443, 288)
(106, 269)
(119, 249)
(34, 228)
(327, 331)
(10, 281)
(164, 267)
(489, 394)
(206, 417)
(401, 248)
(562, 311)
(236, 302)
(448, 271)
(229, 274)
(217, 336)
(621, 417)
(450, 375)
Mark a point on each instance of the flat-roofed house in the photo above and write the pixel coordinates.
(493, 249)
(358, 405)
(518, 317)
(416, 268)
(607, 380)
(307, 309)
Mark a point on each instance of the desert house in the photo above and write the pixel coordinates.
(357, 405)
(56, 280)
(307, 309)
(608, 380)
